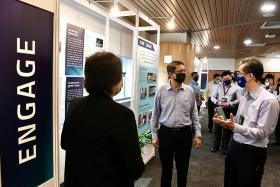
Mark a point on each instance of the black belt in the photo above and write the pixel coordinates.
(248, 147)
(175, 128)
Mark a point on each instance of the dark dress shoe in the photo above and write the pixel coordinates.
(213, 149)
(276, 143)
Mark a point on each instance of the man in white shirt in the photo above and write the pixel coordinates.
(256, 118)
(207, 96)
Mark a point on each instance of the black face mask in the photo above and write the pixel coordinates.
(195, 78)
(180, 77)
(227, 82)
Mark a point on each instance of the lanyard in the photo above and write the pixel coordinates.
(226, 91)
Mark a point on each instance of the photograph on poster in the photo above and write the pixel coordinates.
(152, 91)
(143, 93)
(150, 116)
(142, 119)
(151, 77)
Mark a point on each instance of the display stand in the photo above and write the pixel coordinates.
(148, 151)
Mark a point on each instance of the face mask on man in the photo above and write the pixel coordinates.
(180, 77)
(195, 79)
(266, 84)
(227, 82)
(241, 81)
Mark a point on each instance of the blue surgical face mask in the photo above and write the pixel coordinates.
(241, 81)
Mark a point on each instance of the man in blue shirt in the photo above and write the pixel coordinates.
(255, 119)
(175, 113)
(196, 89)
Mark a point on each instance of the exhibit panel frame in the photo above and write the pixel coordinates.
(33, 121)
(102, 12)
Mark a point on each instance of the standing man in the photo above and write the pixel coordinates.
(196, 89)
(174, 115)
(255, 120)
(207, 96)
(225, 95)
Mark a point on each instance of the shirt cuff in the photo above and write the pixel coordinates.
(238, 128)
(198, 134)
(154, 135)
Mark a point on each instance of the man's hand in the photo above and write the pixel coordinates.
(197, 142)
(226, 123)
(155, 143)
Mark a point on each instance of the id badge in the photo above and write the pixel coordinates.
(224, 99)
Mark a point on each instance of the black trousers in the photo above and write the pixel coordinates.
(223, 135)
(277, 130)
(198, 108)
(210, 108)
(244, 165)
(174, 144)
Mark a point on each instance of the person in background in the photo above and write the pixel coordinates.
(196, 88)
(255, 120)
(269, 79)
(174, 115)
(224, 95)
(207, 96)
(277, 128)
(99, 135)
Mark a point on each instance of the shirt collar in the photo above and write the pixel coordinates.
(169, 87)
(194, 82)
(255, 93)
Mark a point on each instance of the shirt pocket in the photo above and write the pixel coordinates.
(252, 115)
(185, 106)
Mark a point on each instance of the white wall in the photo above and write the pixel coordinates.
(220, 64)
(170, 37)
(120, 38)
(269, 64)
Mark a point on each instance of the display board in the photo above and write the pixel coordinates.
(147, 78)
(26, 128)
(77, 44)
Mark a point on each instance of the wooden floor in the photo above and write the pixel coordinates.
(207, 169)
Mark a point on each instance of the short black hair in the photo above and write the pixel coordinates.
(194, 73)
(103, 70)
(171, 67)
(269, 76)
(254, 66)
(225, 73)
(216, 75)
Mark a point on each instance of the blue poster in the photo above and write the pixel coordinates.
(146, 92)
(26, 139)
(74, 51)
(74, 88)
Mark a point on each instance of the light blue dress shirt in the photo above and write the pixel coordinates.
(196, 88)
(175, 108)
(260, 110)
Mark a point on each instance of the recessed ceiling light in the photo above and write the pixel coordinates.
(216, 47)
(270, 36)
(247, 41)
(171, 23)
(268, 7)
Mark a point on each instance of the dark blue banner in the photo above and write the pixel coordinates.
(74, 88)
(146, 44)
(26, 140)
(74, 51)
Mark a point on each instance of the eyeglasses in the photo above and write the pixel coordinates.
(123, 74)
(242, 74)
(182, 71)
